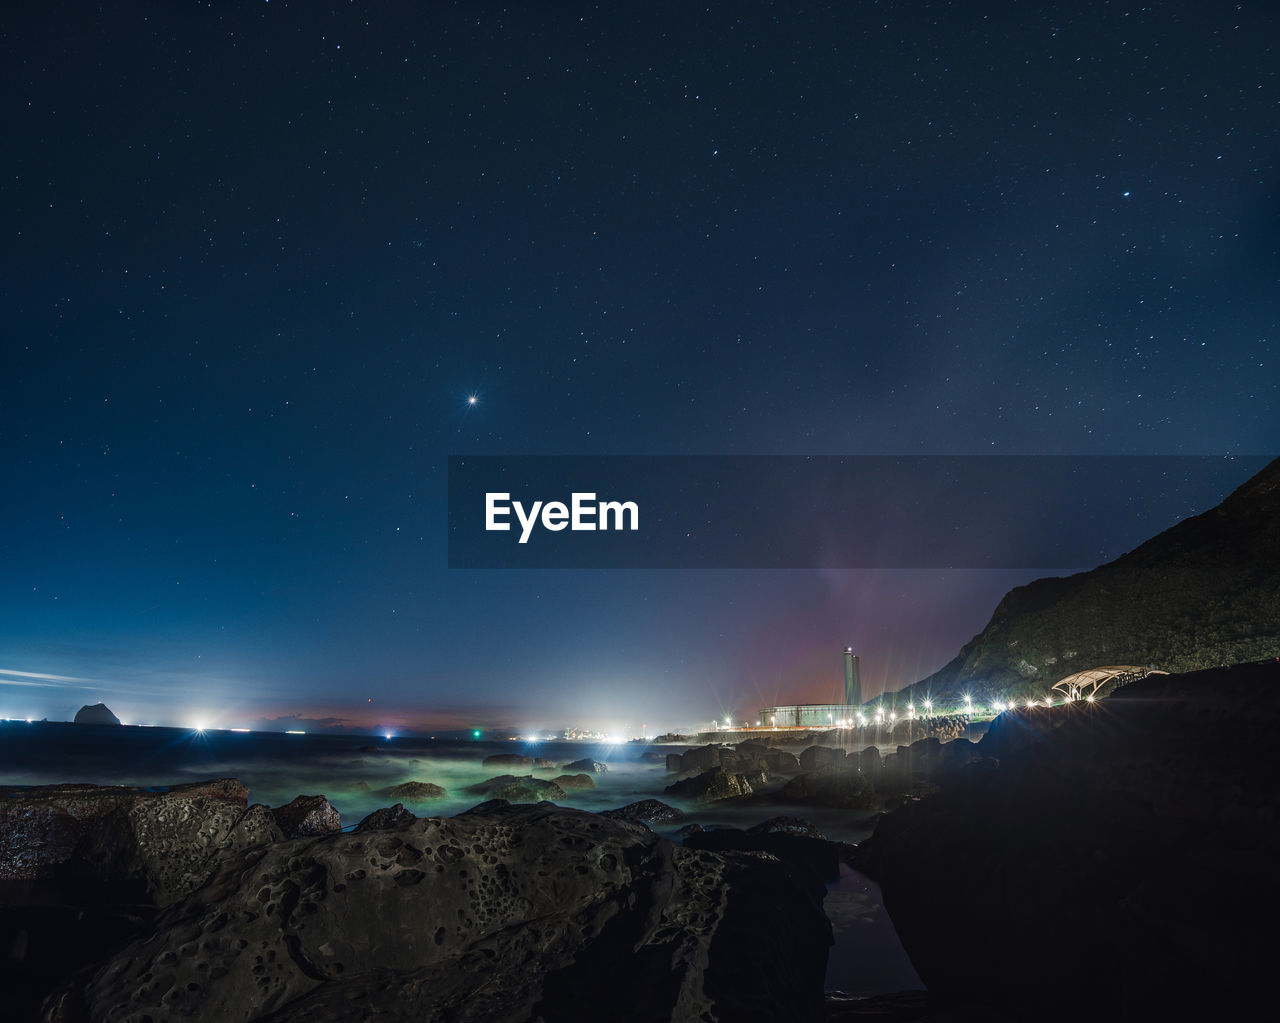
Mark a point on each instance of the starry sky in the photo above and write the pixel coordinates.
(260, 256)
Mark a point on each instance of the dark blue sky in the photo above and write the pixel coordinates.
(258, 256)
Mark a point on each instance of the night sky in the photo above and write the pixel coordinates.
(260, 256)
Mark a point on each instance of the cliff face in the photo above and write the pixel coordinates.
(1205, 592)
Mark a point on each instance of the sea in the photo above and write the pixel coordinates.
(355, 773)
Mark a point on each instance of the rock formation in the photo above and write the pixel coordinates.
(527, 789)
(417, 791)
(504, 913)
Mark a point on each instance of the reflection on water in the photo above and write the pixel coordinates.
(355, 773)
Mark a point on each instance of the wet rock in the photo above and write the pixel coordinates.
(305, 816)
(711, 786)
(505, 914)
(526, 789)
(586, 764)
(417, 791)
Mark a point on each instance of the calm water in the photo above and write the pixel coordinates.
(354, 773)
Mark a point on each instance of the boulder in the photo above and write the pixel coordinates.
(647, 811)
(820, 756)
(780, 761)
(95, 714)
(586, 764)
(525, 789)
(417, 791)
(569, 782)
(675, 762)
(711, 786)
(504, 914)
(702, 759)
(307, 815)
(839, 785)
(386, 819)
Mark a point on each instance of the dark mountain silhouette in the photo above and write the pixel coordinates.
(95, 714)
(1203, 593)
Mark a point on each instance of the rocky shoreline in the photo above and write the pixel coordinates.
(1078, 841)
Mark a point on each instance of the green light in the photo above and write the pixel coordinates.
(475, 734)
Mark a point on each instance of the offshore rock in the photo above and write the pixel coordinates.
(586, 764)
(568, 782)
(518, 790)
(711, 786)
(417, 791)
(95, 714)
(160, 841)
(503, 914)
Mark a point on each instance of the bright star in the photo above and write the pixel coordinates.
(472, 400)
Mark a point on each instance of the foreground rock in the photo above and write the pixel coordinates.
(158, 842)
(504, 913)
(306, 816)
(1133, 840)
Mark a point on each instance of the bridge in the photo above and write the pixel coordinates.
(1084, 685)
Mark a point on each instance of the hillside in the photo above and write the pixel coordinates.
(1203, 593)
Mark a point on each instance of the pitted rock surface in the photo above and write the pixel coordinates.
(307, 815)
(163, 839)
(505, 914)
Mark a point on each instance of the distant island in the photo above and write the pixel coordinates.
(95, 714)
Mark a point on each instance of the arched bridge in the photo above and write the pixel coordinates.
(1084, 684)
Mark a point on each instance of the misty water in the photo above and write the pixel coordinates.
(355, 774)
